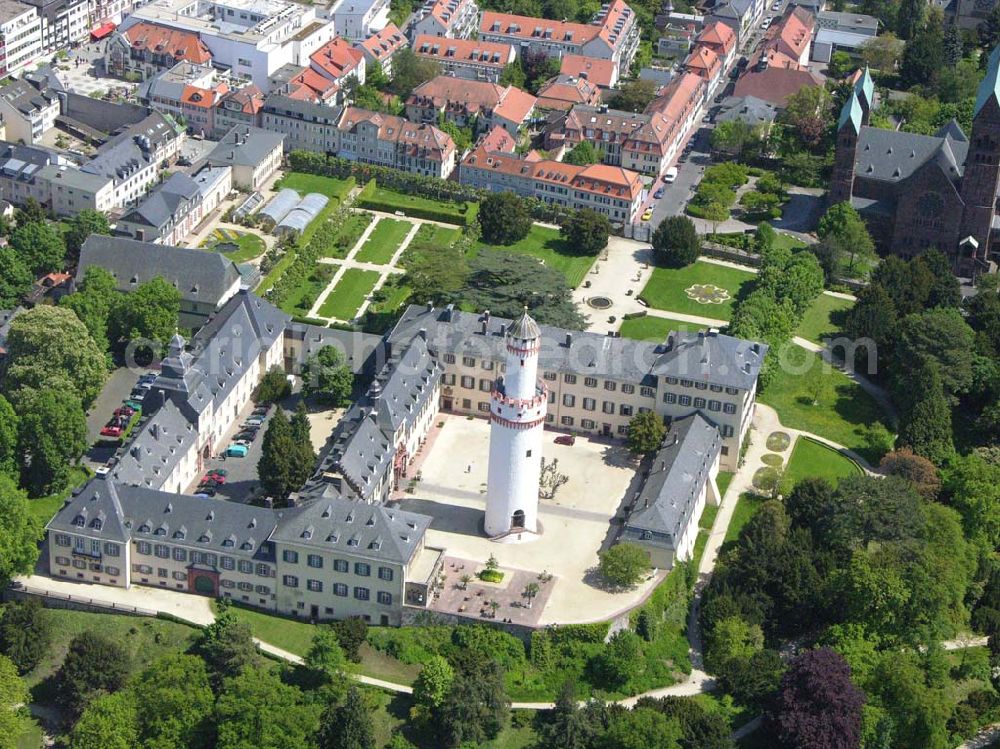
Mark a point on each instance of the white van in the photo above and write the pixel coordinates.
(670, 175)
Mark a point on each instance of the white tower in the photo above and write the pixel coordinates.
(517, 420)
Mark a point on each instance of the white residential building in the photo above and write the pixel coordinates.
(63, 22)
(28, 113)
(20, 37)
(454, 19)
(252, 38)
(359, 19)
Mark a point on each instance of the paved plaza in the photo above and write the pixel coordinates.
(576, 524)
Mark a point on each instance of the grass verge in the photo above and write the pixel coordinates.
(383, 241)
(546, 244)
(824, 318)
(811, 459)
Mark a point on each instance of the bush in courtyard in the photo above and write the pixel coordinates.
(645, 433)
(586, 231)
(352, 634)
(274, 386)
(676, 242)
(624, 564)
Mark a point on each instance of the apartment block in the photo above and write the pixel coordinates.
(471, 59)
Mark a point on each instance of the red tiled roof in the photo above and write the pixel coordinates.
(775, 84)
(473, 96)
(562, 92)
(336, 59)
(250, 98)
(704, 62)
(400, 130)
(491, 54)
(384, 43)
(181, 45)
(527, 27)
(204, 98)
(600, 72)
(718, 36)
(497, 139)
(308, 85)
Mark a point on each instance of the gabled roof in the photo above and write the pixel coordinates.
(160, 40)
(893, 156)
(711, 357)
(775, 84)
(600, 72)
(680, 469)
(385, 43)
(336, 59)
(172, 199)
(245, 146)
(864, 86)
(198, 275)
(472, 51)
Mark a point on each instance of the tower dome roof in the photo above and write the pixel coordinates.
(524, 328)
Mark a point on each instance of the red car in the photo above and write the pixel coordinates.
(217, 478)
(565, 439)
(112, 430)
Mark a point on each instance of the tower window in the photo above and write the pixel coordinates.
(528, 454)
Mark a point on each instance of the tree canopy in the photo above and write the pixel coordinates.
(624, 564)
(503, 218)
(676, 242)
(327, 377)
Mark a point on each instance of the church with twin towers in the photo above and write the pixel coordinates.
(918, 192)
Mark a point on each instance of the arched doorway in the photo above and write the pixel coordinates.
(517, 519)
(204, 585)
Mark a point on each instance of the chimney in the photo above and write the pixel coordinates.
(430, 307)
(569, 340)
(503, 329)
(486, 315)
(423, 333)
(483, 329)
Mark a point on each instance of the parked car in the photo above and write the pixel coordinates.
(247, 435)
(237, 451)
(134, 404)
(658, 194)
(565, 439)
(218, 472)
(138, 395)
(261, 411)
(647, 214)
(211, 480)
(205, 493)
(125, 411)
(255, 421)
(149, 377)
(112, 430)
(670, 175)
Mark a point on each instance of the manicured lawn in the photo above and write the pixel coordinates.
(811, 459)
(383, 199)
(145, 639)
(304, 183)
(383, 241)
(349, 294)
(654, 328)
(303, 296)
(43, 508)
(707, 518)
(746, 507)
(666, 288)
(823, 318)
(788, 241)
(545, 244)
(340, 244)
(843, 410)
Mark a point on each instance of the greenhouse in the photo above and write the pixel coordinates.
(278, 208)
(302, 215)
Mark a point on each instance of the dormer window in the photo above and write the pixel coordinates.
(79, 521)
(96, 524)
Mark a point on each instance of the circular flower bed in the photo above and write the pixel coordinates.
(778, 441)
(707, 293)
(770, 459)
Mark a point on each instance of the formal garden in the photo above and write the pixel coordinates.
(701, 288)
(238, 246)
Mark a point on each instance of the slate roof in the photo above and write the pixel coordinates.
(156, 448)
(26, 99)
(712, 357)
(245, 146)
(373, 531)
(749, 109)
(893, 156)
(666, 503)
(361, 350)
(199, 276)
(98, 507)
(363, 448)
(171, 199)
(461, 333)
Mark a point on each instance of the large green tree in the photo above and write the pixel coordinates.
(327, 377)
(676, 242)
(175, 703)
(40, 247)
(19, 533)
(645, 433)
(325, 657)
(227, 646)
(939, 337)
(506, 282)
(477, 708)
(634, 96)
(640, 729)
(109, 722)
(148, 315)
(433, 683)
(52, 436)
(586, 232)
(584, 153)
(8, 439)
(409, 71)
(25, 630)
(348, 725)
(503, 218)
(15, 278)
(50, 346)
(436, 276)
(256, 709)
(624, 564)
(13, 697)
(81, 226)
(94, 665)
(925, 424)
(96, 296)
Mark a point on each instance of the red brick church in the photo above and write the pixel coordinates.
(917, 192)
